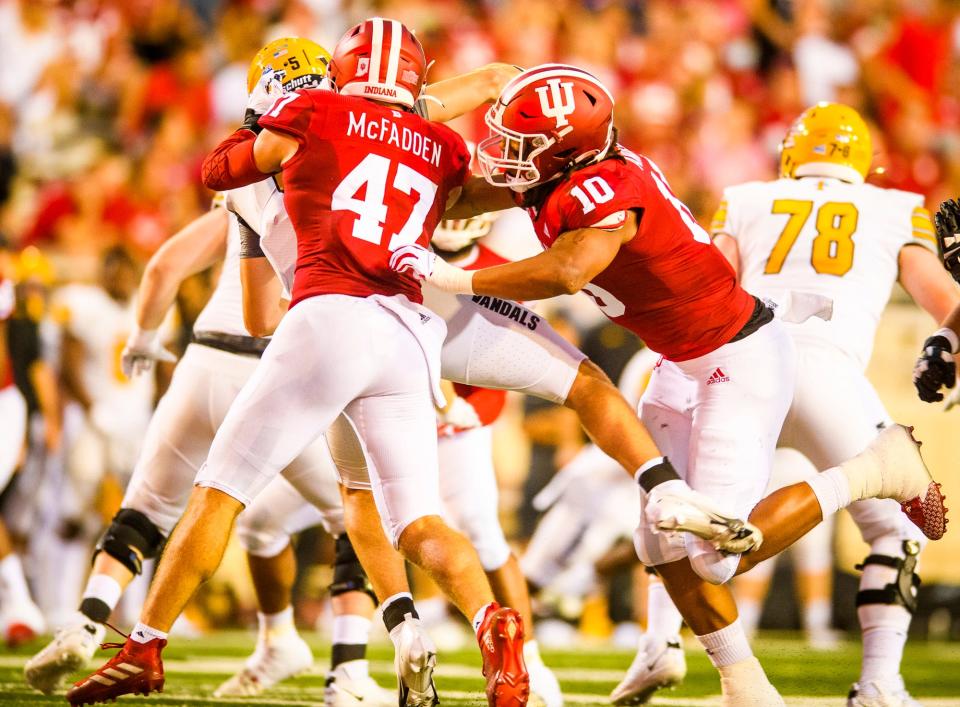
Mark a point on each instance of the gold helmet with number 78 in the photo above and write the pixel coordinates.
(298, 63)
(827, 140)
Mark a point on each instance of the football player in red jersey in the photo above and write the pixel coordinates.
(612, 228)
(363, 175)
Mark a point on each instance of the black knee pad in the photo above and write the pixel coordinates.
(903, 590)
(131, 539)
(348, 574)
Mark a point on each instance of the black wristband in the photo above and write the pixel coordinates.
(249, 240)
(938, 342)
(251, 121)
(657, 474)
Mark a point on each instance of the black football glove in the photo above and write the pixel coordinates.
(250, 121)
(947, 221)
(934, 369)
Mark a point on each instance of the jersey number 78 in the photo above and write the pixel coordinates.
(833, 247)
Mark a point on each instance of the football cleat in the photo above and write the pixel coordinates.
(351, 688)
(70, 650)
(544, 686)
(659, 664)
(415, 658)
(501, 644)
(23, 622)
(761, 694)
(891, 467)
(137, 669)
(674, 507)
(880, 693)
(272, 662)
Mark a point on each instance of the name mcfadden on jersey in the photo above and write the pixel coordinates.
(385, 130)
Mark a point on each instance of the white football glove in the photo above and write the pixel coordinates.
(143, 347)
(265, 93)
(414, 260)
(460, 415)
(424, 265)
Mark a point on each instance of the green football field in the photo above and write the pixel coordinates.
(805, 677)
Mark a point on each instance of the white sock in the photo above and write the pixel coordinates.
(142, 633)
(105, 588)
(12, 581)
(351, 629)
(663, 617)
(816, 615)
(478, 618)
(832, 489)
(884, 626)
(276, 625)
(727, 646)
(531, 653)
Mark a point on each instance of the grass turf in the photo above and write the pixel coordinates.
(805, 677)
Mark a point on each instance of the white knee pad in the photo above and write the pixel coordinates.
(489, 542)
(709, 564)
(261, 540)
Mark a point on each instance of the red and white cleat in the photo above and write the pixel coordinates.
(137, 669)
(501, 645)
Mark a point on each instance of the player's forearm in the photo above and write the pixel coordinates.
(48, 393)
(232, 163)
(952, 321)
(70, 375)
(193, 249)
(263, 306)
(539, 277)
(462, 94)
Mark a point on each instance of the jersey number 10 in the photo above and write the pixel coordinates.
(833, 247)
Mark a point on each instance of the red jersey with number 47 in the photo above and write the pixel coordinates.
(367, 179)
(669, 285)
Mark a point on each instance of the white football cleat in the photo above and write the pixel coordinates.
(891, 467)
(22, 622)
(271, 662)
(347, 687)
(673, 507)
(881, 693)
(70, 650)
(760, 694)
(658, 664)
(544, 686)
(415, 658)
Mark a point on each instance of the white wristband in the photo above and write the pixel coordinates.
(951, 336)
(450, 278)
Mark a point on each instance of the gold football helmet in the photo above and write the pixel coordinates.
(298, 62)
(827, 140)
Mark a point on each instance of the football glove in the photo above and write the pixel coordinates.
(414, 260)
(261, 99)
(947, 221)
(934, 369)
(142, 349)
(459, 416)
(423, 264)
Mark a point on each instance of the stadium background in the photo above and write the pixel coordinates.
(108, 107)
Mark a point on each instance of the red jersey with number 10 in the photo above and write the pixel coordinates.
(669, 284)
(367, 179)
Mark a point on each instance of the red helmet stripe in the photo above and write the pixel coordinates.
(396, 43)
(376, 49)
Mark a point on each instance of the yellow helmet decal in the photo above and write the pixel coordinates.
(827, 140)
(298, 62)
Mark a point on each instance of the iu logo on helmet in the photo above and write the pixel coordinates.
(556, 100)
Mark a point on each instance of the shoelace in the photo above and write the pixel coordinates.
(112, 644)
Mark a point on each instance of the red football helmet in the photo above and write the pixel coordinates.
(379, 59)
(547, 119)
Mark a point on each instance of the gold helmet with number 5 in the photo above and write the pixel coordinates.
(298, 63)
(827, 140)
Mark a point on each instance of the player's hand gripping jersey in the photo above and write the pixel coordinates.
(668, 284)
(831, 238)
(397, 173)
